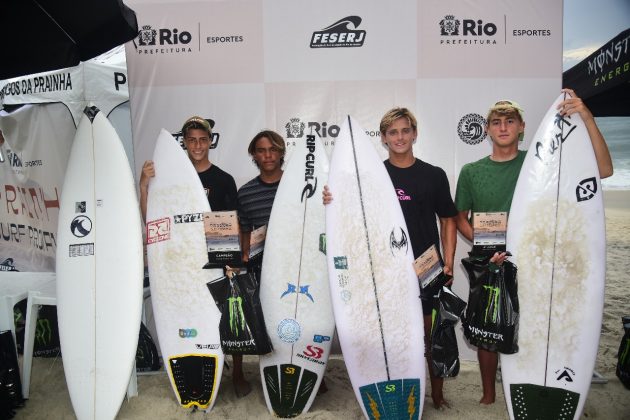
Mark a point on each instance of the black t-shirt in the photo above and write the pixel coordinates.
(423, 192)
(220, 188)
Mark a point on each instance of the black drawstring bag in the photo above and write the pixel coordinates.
(242, 326)
(623, 355)
(10, 384)
(491, 320)
(448, 309)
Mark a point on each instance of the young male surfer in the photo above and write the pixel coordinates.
(423, 192)
(255, 198)
(487, 185)
(220, 189)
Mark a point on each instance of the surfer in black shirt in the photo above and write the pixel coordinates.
(221, 192)
(423, 192)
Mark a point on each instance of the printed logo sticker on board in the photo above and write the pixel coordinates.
(81, 226)
(289, 330)
(158, 230)
(471, 129)
(398, 243)
(586, 189)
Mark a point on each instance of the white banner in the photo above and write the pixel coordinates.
(298, 66)
(38, 137)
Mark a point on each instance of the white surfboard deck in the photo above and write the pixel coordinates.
(186, 317)
(374, 289)
(99, 270)
(295, 296)
(557, 236)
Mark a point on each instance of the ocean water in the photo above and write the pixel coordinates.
(616, 131)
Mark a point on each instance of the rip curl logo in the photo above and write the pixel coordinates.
(309, 169)
(586, 189)
(291, 288)
(449, 26)
(402, 195)
(339, 34)
(81, 226)
(397, 244)
(471, 129)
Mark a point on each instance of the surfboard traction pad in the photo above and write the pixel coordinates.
(289, 392)
(531, 401)
(195, 377)
(395, 399)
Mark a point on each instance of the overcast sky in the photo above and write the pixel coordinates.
(588, 24)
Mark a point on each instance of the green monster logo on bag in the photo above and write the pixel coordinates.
(493, 302)
(43, 332)
(236, 314)
(626, 351)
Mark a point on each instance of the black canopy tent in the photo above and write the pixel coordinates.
(602, 79)
(44, 35)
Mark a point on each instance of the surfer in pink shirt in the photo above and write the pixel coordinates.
(488, 186)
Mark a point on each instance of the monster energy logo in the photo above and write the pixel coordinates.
(624, 355)
(493, 302)
(236, 314)
(43, 332)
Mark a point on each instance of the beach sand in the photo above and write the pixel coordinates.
(49, 397)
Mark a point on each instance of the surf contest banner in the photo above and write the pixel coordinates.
(38, 124)
(299, 67)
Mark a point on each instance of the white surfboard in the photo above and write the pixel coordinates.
(295, 295)
(373, 286)
(186, 317)
(99, 269)
(556, 234)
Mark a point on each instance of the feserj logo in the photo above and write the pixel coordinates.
(339, 35)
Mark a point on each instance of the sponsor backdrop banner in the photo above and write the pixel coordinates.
(296, 67)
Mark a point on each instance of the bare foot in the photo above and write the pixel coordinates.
(487, 400)
(439, 403)
(241, 387)
(322, 388)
